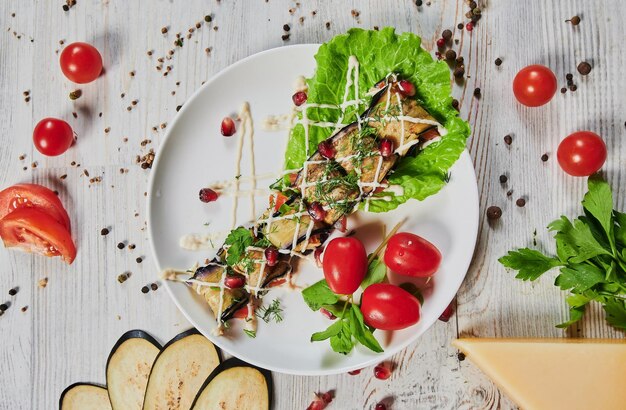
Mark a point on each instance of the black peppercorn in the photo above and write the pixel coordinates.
(154, 286)
(503, 179)
(145, 289)
(459, 72)
(286, 27)
(477, 92)
(450, 55)
(508, 139)
(120, 245)
(13, 292)
(498, 61)
(584, 68)
(104, 232)
(3, 307)
(520, 202)
(544, 157)
(446, 35)
(494, 212)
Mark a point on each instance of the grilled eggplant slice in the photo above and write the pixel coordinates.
(84, 396)
(179, 371)
(235, 385)
(128, 368)
(233, 299)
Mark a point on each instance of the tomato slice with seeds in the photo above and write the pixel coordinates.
(33, 196)
(278, 200)
(33, 230)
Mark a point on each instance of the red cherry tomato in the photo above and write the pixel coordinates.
(411, 255)
(33, 230)
(345, 265)
(581, 154)
(81, 62)
(33, 196)
(52, 136)
(389, 307)
(534, 85)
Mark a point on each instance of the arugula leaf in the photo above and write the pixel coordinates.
(530, 263)
(362, 333)
(376, 273)
(579, 278)
(421, 175)
(616, 313)
(238, 240)
(620, 231)
(598, 201)
(332, 330)
(319, 294)
(342, 341)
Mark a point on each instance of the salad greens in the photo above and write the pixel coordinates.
(591, 254)
(349, 327)
(380, 53)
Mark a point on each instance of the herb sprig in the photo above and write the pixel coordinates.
(591, 254)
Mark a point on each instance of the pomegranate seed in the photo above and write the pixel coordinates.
(299, 98)
(207, 195)
(317, 211)
(354, 372)
(380, 406)
(327, 397)
(328, 314)
(228, 127)
(318, 256)
(234, 281)
(441, 43)
(320, 402)
(385, 146)
(469, 26)
(407, 88)
(447, 314)
(271, 256)
(326, 149)
(342, 224)
(381, 372)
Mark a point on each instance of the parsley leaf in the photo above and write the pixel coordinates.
(319, 294)
(530, 263)
(616, 312)
(575, 314)
(579, 238)
(238, 240)
(598, 201)
(376, 273)
(579, 278)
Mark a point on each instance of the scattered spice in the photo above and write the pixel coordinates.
(508, 139)
(477, 92)
(509, 192)
(43, 283)
(145, 289)
(327, 25)
(563, 90)
(104, 231)
(138, 260)
(121, 278)
(107, 130)
(62, 177)
(584, 68)
(450, 55)
(573, 87)
(24, 309)
(460, 26)
(121, 245)
(503, 179)
(164, 30)
(574, 21)
(520, 202)
(459, 72)
(13, 291)
(285, 37)
(544, 157)
(498, 62)
(146, 160)
(455, 104)
(3, 307)
(154, 286)
(131, 246)
(286, 27)
(494, 212)
(208, 18)
(446, 35)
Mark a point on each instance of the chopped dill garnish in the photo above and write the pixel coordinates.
(272, 312)
(250, 333)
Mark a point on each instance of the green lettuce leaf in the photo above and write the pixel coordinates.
(380, 53)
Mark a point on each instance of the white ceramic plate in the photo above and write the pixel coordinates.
(195, 154)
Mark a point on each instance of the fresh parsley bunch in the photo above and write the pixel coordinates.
(591, 254)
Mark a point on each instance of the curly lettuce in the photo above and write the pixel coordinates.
(380, 53)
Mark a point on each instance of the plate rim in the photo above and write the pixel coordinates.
(151, 196)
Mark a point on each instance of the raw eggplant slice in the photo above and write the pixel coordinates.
(235, 385)
(179, 370)
(128, 368)
(84, 396)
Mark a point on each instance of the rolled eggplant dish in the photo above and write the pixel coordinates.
(352, 169)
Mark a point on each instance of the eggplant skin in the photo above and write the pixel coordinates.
(84, 396)
(223, 397)
(234, 299)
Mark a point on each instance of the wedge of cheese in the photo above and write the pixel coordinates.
(554, 374)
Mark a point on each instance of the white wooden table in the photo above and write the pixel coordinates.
(70, 326)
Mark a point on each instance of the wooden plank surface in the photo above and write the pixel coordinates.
(70, 326)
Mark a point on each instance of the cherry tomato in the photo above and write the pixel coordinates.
(411, 255)
(33, 196)
(581, 154)
(389, 307)
(81, 62)
(345, 265)
(52, 136)
(534, 85)
(33, 230)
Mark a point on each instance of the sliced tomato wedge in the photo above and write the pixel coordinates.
(277, 200)
(33, 196)
(33, 230)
